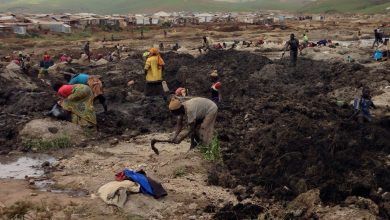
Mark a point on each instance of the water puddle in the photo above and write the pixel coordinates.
(18, 167)
(31, 167)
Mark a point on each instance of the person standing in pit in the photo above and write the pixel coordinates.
(293, 45)
(215, 87)
(363, 105)
(153, 70)
(87, 50)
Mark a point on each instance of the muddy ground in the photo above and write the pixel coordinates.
(283, 131)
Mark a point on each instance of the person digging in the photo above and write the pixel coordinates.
(93, 81)
(200, 113)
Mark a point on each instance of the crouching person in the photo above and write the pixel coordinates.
(200, 114)
(93, 81)
(78, 100)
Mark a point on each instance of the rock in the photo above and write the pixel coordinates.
(45, 164)
(53, 130)
(383, 100)
(114, 141)
(192, 217)
(344, 213)
(193, 206)
(130, 83)
(22, 81)
(101, 62)
(83, 60)
(301, 186)
(363, 203)
(33, 194)
(305, 202)
(55, 164)
(56, 68)
(13, 67)
(239, 190)
(38, 129)
(31, 181)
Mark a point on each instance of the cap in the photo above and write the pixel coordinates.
(174, 104)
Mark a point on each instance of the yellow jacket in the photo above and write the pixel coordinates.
(154, 72)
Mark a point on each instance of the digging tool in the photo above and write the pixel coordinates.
(165, 86)
(353, 115)
(154, 141)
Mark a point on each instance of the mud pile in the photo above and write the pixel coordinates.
(282, 132)
(18, 105)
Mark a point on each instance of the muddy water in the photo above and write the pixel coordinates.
(18, 167)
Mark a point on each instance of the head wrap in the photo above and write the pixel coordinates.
(179, 91)
(214, 73)
(65, 91)
(216, 86)
(154, 52)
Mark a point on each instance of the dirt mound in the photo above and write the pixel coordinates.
(287, 135)
(50, 130)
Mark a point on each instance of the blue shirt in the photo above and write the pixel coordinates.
(81, 78)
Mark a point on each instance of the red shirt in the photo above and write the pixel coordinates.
(65, 90)
(46, 58)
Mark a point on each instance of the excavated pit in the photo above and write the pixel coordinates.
(281, 129)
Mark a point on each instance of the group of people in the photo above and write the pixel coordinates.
(200, 113)
(381, 46)
(78, 93)
(77, 97)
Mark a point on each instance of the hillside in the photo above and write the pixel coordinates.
(362, 6)
(125, 6)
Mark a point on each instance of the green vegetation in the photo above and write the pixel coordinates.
(78, 36)
(213, 151)
(362, 6)
(180, 172)
(44, 145)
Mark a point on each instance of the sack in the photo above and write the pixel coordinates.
(58, 112)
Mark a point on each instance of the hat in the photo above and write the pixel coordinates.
(179, 91)
(174, 104)
(214, 73)
(217, 86)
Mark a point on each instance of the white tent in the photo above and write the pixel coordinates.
(162, 14)
(204, 17)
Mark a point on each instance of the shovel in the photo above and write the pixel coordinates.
(153, 143)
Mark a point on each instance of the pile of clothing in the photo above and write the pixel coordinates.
(130, 181)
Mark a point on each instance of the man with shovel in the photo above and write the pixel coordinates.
(200, 113)
(293, 45)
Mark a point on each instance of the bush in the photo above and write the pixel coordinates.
(213, 151)
(43, 145)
